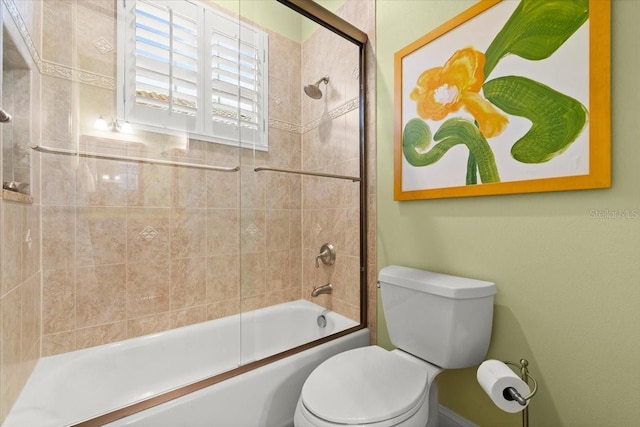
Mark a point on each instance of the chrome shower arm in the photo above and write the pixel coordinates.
(324, 80)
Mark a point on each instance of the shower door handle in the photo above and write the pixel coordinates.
(4, 116)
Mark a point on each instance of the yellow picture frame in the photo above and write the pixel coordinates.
(430, 93)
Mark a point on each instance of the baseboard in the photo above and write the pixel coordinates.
(448, 418)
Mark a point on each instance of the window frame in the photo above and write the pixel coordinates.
(201, 126)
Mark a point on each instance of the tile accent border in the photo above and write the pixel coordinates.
(77, 75)
(348, 106)
(51, 68)
(289, 127)
(24, 32)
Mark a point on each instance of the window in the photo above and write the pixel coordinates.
(183, 66)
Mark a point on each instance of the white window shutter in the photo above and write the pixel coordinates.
(189, 68)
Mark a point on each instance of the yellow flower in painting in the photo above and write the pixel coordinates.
(444, 90)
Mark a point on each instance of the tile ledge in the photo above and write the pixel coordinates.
(16, 197)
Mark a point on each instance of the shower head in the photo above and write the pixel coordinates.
(313, 90)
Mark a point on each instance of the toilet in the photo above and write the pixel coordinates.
(436, 321)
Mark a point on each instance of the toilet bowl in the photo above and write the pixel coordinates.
(436, 321)
(371, 387)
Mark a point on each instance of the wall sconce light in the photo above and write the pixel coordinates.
(112, 125)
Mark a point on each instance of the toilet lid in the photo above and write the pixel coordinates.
(365, 385)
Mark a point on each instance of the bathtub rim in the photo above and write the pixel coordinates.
(184, 390)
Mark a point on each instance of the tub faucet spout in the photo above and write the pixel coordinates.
(324, 289)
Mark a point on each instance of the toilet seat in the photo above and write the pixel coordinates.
(365, 386)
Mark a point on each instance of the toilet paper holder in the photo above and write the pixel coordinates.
(512, 394)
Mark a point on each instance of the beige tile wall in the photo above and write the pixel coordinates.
(20, 311)
(129, 249)
(20, 271)
(331, 144)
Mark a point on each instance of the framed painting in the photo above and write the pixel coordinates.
(510, 96)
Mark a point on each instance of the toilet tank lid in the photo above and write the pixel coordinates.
(440, 284)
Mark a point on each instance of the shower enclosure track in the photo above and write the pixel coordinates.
(325, 175)
(45, 149)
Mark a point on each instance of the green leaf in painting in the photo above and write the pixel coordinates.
(557, 119)
(536, 29)
(460, 131)
(472, 170)
(416, 140)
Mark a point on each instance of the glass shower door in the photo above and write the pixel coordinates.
(303, 190)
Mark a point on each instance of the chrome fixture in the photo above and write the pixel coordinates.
(297, 172)
(53, 150)
(512, 394)
(322, 318)
(327, 255)
(324, 289)
(6, 117)
(18, 187)
(313, 90)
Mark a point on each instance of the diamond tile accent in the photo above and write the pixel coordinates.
(252, 229)
(149, 233)
(103, 45)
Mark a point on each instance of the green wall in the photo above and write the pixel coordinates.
(277, 17)
(270, 14)
(309, 27)
(568, 283)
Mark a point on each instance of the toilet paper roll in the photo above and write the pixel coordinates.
(494, 377)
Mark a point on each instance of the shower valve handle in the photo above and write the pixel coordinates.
(327, 255)
(321, 255)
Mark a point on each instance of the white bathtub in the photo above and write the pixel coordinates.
(76, 386)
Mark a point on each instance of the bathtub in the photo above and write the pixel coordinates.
(68, 388)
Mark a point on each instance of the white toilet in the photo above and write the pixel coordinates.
(436, 321)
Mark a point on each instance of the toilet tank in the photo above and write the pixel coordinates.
(442, 319)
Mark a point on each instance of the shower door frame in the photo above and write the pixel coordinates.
(341, 27)
(333, 22)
